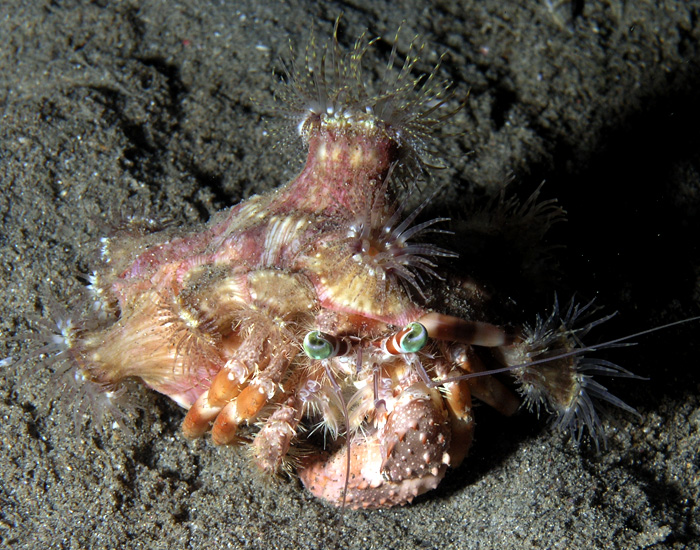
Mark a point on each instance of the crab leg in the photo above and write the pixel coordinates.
(232, 398)
(458, 399)
(197, 419)
(225, 387)
(250, 400)
(274, 439)
(486, 388)
(476, 333)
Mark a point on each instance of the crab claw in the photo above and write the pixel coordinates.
(406, 457)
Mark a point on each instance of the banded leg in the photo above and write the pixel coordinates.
(233, 397)
(474, 333)
(249, 402)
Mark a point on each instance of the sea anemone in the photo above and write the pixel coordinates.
(553, 374)
(384, 241)
(329, 88)
(55, 344)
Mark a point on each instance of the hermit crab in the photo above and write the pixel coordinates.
(296, 323)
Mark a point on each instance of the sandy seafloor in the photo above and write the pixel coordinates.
(159, 109)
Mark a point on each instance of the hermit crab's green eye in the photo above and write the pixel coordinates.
(412, 338)
(318, 345)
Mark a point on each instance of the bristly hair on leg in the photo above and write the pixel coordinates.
(565, 386)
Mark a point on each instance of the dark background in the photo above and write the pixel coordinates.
(164, 109)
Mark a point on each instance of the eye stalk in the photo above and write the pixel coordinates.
(412, 338)
(319, 346)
